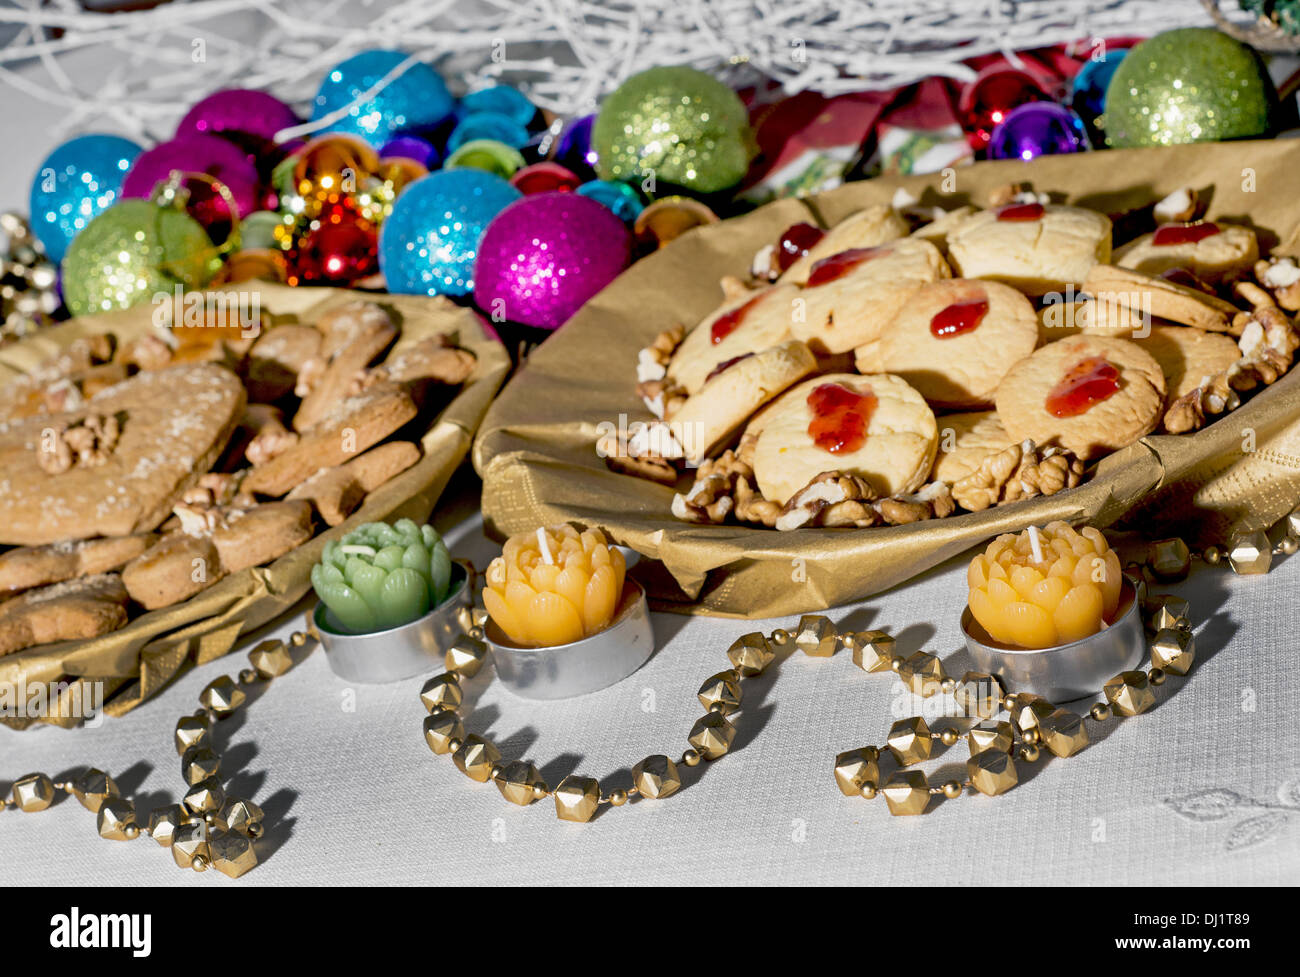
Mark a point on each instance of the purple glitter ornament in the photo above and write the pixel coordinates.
(1038, 129)
(410, 147)
(219, 159)
(545, 255)
(573, 149)
(236, 112)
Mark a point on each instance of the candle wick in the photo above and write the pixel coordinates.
(1033, 543)
(358, 549)
(546, 550)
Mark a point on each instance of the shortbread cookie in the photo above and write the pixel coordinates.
(26, 567)
(1214, 253)
(743, 324)
(955, 339)
(261, 534)
(853, 295)
(276, 359)
(336, 492)
(74, 609)
(738, 388)
(1153, 297)
(1033, 247)
(174, 569)
(965, 440)
(867, 228)
(353, 425)
(1189, 357)
(138, 446)
(937, 231)
(1088, 394)
(876, 427)
(369, 335)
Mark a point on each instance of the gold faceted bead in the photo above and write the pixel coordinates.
(907, 792)
(722, 689)
(1129, 693)
(190, 841)
(270, 659)
(114, 819)
(816, 636)
(1168, 611)
(922, 673)
(517, 781)
(712, 735)
(1170, 559)
(1173, 650)
(1293, 522)
(751, 653)
(990, 735)
(205, 797)
(222, 696)
(979, 694)
(441, 728)
(199, 763)
(1029, 709)
(656, 777)
(163, 822)
(192, 731)
(910, 741)
(1250, 553)
(470, 618)
(33, 792)
(240, 817)
(992, 772)
(476, 757)
(442, 691)
(93, 788)
(873, 651)
(466, 656)
(1063, 732)
(232, 854)
(854, 769)
(577, 798)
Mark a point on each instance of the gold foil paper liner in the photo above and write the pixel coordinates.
(536, 448)
(138, 660)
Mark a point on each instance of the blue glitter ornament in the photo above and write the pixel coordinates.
(1088, 90)
(488, 125)
(623, 199)
(501, 99)
(77, 182)
(415, 100)
(428, 244)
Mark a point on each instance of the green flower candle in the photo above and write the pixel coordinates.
(380, 576)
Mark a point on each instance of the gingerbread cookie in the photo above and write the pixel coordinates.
(876, 427)
(277, 358)
(1188, 357)
(1214, 253)
(965, 440)
(25, 567)
(356, 340)
(1037, 248)
(742, 324)
(852, 296)
(869, 227)
(174, 569)
(1088, 394)
(337, 491)
(954, 340)
(82, 608)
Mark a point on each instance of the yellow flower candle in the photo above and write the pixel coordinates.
(554, 586)
(1045, 587)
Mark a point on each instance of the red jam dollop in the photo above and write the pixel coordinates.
(1020, 212)
(1184, 233)
(1084, 385)
(796, 242)
(725, 364)
(840, 417)
(838, 265)
(727, 323)
(959, 318)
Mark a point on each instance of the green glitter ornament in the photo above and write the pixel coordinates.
(685, 127)
(133, 251)
(1188, 85)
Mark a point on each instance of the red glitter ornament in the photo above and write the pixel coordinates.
(986, 101)
(338, 247)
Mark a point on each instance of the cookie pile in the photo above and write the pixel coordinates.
(910, 363)
(136, 473)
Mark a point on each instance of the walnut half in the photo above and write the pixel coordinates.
(86, 443)
(1021, 471)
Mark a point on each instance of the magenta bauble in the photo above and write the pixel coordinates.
(545, 255)
(238, 112)
(210, 155)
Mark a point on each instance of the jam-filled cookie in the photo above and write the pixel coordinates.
(875, 426)
(954, 340)
(1189, 356)
(965, 440)
(867, 228)
(1037, 248)
(744, 324)
(852, 295)
(1088, 394)
(1212, 252)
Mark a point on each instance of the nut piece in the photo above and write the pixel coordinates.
(831, 499)
(724, 485)
(1021, 471)
(1179, 207)
(1281, 276)
(662, 396)
(86, 443)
